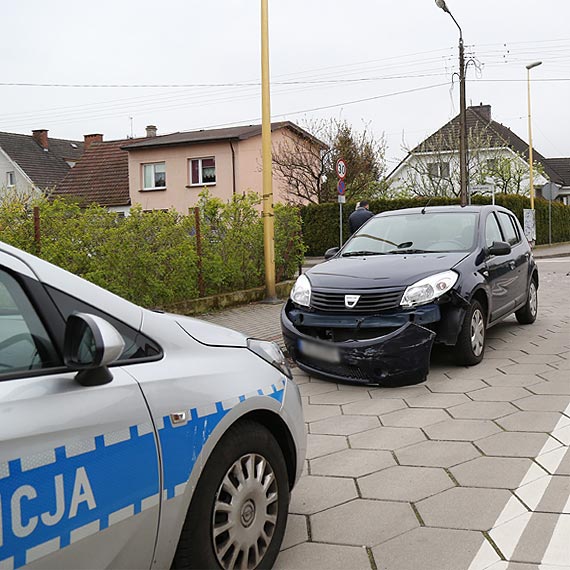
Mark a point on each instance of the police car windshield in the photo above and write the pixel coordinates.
(432, 232)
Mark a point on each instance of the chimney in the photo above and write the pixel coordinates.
(483, 111)
(41, 137)
(88, 140)
(150, 131)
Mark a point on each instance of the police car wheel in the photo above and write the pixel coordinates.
(238, 513)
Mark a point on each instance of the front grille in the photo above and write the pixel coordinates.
(347, 371)
(369, 302)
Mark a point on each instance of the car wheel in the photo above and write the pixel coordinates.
(238, 513)
(470, 345)
(527, 315)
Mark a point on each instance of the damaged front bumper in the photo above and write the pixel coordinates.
(399, 357)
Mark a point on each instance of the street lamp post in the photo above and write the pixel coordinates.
(462, 111)
(530, 165)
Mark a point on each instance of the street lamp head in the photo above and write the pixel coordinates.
(534, 64)
(441, 4)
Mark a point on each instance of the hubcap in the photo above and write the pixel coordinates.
(533, 299)
(477, 332)
(245, 513)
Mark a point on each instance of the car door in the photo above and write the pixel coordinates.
(79, 473)
(497, 272)
(519, 257)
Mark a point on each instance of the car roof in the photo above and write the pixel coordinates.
(477, 209)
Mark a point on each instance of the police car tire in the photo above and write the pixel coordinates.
(195, 548)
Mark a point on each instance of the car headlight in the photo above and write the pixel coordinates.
(301, 292)
(271, 353)
(428, 289)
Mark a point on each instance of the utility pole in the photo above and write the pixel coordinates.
(268, 216)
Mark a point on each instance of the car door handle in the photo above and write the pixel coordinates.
(512, 264)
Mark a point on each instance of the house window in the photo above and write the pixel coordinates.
(438, 169)
(10, 179)
(154, 176)
(202, 171)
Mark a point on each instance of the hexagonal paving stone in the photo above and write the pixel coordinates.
(315, 388)
(554, 387)
(311, 555)
(534, 421)
(516, 444)
(465, 508)
(482, 410)
(352, 463)
(296, 531)
(521, 380)
(314, 494)
(318, 445)
(499, 394)
(402, 392)
(344, 425)
(434, 549)
(535, 358)
(525, 368)
(544, 403)
(402, 483)
(461, 430)
(437, 453)
(416, 417)
(363, 522)
(340, 397)
(314, 412)
(437, 400)
(492, 472)
(374, 407)
(455, 385)
(386, 438)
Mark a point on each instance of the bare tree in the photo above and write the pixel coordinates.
(309, 168)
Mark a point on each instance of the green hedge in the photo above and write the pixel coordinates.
(151, 258)
(321, 231)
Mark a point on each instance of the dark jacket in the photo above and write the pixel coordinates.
(358, 217)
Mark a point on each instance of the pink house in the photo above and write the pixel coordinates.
(170, 171)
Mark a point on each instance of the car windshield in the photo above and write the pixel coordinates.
(432, 232)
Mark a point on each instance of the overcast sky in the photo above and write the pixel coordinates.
(327, 58)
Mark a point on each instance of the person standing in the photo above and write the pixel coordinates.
(361, 215)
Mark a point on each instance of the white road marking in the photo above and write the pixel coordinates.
(508, 531)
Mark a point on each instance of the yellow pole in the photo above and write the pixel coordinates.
(531, 173)
(268, 219)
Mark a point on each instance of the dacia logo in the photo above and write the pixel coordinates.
(350, 301)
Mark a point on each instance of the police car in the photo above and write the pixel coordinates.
(134, 439)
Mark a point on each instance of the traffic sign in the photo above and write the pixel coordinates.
(341, 198)
(341, 168)
(550, 191)
(341, 187)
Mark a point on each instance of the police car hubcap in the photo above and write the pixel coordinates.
(245, 513)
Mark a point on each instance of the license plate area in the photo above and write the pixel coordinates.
(319, 351)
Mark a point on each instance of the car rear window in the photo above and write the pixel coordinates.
(429, 232)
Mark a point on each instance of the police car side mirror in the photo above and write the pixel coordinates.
(90, 345)
(331, 252)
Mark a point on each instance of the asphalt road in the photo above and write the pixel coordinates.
(468, 471)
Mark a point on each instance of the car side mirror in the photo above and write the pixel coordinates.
(499, 248)
(331, 252)
(90, 345)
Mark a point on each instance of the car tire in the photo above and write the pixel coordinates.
(470, 345)
(239, 507)
(527, 314)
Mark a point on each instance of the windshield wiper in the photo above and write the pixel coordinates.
(361, 253)
(397, 251)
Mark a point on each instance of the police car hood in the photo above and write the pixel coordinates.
(209, 333)
(398, 270)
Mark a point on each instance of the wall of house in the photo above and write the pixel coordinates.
(23, 184)
(179, 194)
(408, 170)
